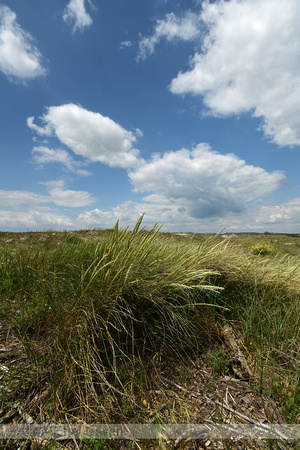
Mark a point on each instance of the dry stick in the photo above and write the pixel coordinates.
(291, 358)
(262, 425)
(187, 435)
(236, 380)
(210, 414)
(216, 402)
(178, 386)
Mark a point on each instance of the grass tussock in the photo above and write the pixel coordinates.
(86, 309)
(93, 314)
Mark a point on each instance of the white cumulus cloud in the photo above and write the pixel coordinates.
(76, 13)
(250, 61)
(204, 182)
(19, 57)
(284, 214)
(90, 135)
(129, 212)
(172, 27)
(33, 220)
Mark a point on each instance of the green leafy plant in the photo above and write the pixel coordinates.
(219, 360)
(262, 248)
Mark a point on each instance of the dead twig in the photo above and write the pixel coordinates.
(258, 424)
(176, 385)
(216, 402)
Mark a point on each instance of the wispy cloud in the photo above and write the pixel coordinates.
(16, 198)
(20, 60)
(65, 197)
(76, 14)
(91, 135)
(125, 44)
(44, 155)
(57, 194)
(171, 28)
(250, 61)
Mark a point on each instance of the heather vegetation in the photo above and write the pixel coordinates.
(91, 319)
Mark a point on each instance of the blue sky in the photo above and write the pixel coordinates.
(186, 110)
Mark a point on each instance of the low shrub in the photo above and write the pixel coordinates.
(262, 248)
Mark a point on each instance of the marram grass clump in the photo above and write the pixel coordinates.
(85, 311)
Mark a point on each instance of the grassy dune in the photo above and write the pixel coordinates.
(96, 313)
